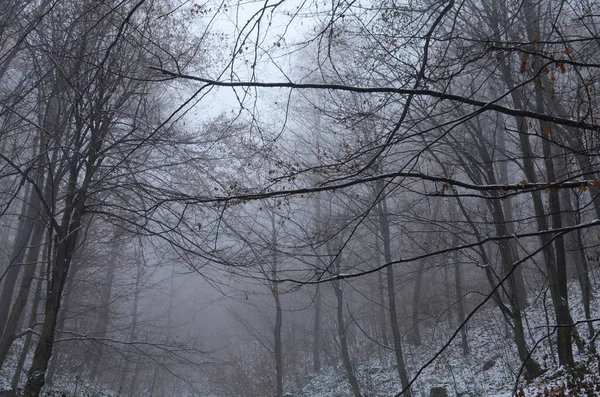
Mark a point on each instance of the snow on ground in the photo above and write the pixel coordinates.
(466, 376)
(64, 385)
(460, 375)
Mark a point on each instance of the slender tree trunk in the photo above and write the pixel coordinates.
(397, 336)
(532, 367)
(414, 335)
(574, 242)
(343, 341)
(21, 300)
(561, 308)
(37, 297)
(381, 294)
(104, 313)
(29, 213)
(507, 207)
(460, 307)
(317, 331)
(278, 311)
(316, 351)
(278, 345)
(132, 331)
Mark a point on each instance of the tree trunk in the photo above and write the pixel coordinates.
(65, 245)
(381, 294)
(460, 307)
(532, 367)
(37, 297)
(278, 311)
(385, 235)
(507, 207)
(575, 245)
(414, 335)
(317, 331)
(104, 313)
(29, 213)
(132, 331)
(61, 351)
(343, 342)
(561, 308)
(21, 300)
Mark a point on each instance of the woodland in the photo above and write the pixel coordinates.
(299, 198)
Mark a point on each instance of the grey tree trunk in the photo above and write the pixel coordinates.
(532, 367)
(397, 336)
(561, 309)
(278, 311)
(343, 341)
(460, 307)
(37, 297)
(507, 207)
(104, 313)
(381, 293)
(132, 332)
(382, 308)
(316, 353)
(27, 219)
(316, 347)
(414, 335)
(57, 360)
(21, 299)
(65, 246)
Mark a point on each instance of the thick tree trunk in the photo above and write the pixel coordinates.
(60, 351)
(65, 245)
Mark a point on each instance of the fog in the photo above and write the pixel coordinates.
(299, 199)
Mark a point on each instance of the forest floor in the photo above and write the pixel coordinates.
(491, 369)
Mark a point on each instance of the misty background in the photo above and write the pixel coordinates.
(299, 199)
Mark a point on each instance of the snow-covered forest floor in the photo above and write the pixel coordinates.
(466, 376)
(490, 369)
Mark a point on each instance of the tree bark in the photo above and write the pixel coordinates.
(132, 331)
(343, 341)
(381, 293)
(28, 215)
(532, 367)
(397, 336)
(561, 308)
(37, 297)
(460, 307)
(21, 299)
(104, 312)
(317, 331)
(65, 245)
(414, 335)
(278, 311)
